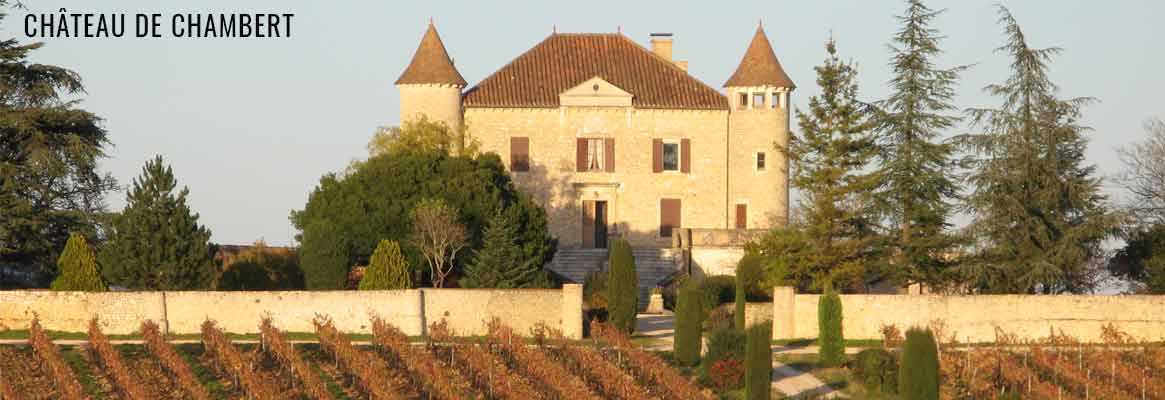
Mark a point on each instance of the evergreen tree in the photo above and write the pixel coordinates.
(688, 325)
(831, 153)
(156, 242)
(829, 336)
(758, 362)
(916, 168)
(78, 267)
(50, 184)
(1039, 213)
(323, 255)
(918, 373)
(622, 286)
(1142, 260)
(388, 269)
(740, 302)
(500, 263)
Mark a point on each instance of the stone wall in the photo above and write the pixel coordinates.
(239, 312)
(974, 318)
(715, 260)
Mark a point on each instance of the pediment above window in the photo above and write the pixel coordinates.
(595, 92)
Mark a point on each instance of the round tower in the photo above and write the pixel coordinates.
(431, 85)
(758, 97)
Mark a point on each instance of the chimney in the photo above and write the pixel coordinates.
(661, 45)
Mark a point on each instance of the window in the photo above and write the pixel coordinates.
(760, 161)
(519, 154)
(596, 155)
(671, 156)
(669, 216)
(743, 100)
(758, 100)
(776, 100)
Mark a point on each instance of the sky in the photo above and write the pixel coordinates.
(250, 125)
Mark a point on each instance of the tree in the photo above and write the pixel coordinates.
(1144, 174)
(1039, 213)
(1142, 260)
(324, 254)
(740, 302)
(830, 337)
(831, 156)
(499, 262)
(439, 236)
(422, 135)
(50, 185)
(918, 377)
(258, 267)
(78, 267)
(915, 167)
(689, 325)
(156, 242)
(373, 202)
(758, 362)
(622, 286)
(388, 270)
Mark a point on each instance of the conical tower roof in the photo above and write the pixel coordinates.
(760, 67)
(431, 63)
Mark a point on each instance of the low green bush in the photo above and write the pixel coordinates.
(725, 343)
(877, 369)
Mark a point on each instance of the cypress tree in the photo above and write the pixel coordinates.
(740, 301)
(156, 242)
(758, 362)
(918, 375)
(622, 286)
(499, 262)
(688, 325)
(387, 270)
(1038, 209)
(78, 267)
(916, 168)
(835, 146)
(830, 337)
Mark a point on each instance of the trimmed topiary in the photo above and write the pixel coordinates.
(78, 266)
(758, 363)
(738, 311)
(622, 286)
(918, 378)
(688, 326)
(388, 269)
(829, 337)
(877, 369)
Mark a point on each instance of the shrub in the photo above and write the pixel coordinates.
(258, 267)
(759, 362)
(388, 269)
(919, 377)
(595, 290)
(725, 343)
(719, 289)
(751, 269)
(622, 286)
(830, 337)
(720, 318)
(78, 267)
(726, 374)
(688, 326)
(877, 369)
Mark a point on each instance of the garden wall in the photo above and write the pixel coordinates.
(466, 310)
(973, 318)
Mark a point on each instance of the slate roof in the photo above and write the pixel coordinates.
(760, 67)
(431, 63)
(564, 60)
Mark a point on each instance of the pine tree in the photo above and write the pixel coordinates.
(500, 262)
(156, 242)
(830, 338)
(622, 286)
(1039, 213)
(917, 168)
(831, 153)
(387, 270)
(78, 267)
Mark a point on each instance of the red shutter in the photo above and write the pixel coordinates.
(685, 155)
(742, 216)
(669, 216)
(519, 154)
(657, 155)
(581, 155)
(609, 154)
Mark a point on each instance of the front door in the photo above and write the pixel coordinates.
(594, 224)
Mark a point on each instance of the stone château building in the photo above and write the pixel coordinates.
(616, 139)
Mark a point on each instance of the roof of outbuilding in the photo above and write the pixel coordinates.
(431, 63)
(564, 60)
(760, 66)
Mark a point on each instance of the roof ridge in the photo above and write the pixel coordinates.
(670, 63)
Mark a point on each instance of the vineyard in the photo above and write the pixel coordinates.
(501, 365)
(1057, 367)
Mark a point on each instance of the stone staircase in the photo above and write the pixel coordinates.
(652, 265)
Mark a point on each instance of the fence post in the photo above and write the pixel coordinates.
(784, 312)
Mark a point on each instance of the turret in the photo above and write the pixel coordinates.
(431, 85)
(758, 97)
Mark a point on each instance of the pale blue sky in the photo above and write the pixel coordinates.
(251, 124)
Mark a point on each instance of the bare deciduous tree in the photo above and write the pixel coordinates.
(1144, 174)
(439, 236)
